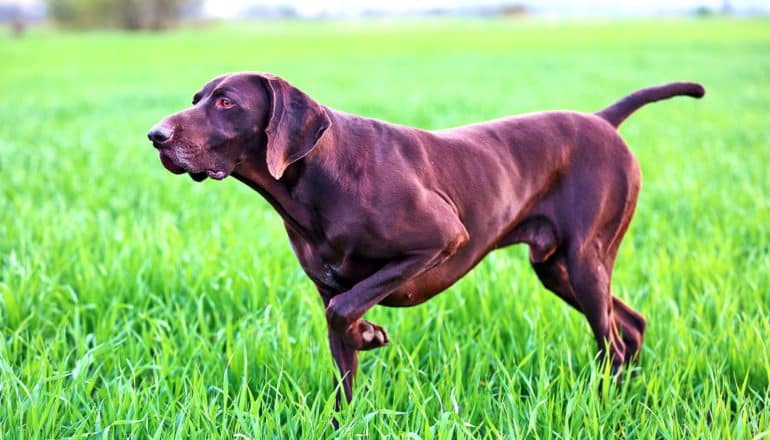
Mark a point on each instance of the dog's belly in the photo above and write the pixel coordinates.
(436, 280)
(535, 231)
(417, 291)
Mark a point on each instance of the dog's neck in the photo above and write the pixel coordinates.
(327, 159)
(253, 172)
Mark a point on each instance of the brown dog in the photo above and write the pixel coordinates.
(379, 213)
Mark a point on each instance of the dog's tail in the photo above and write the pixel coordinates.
(619, 111)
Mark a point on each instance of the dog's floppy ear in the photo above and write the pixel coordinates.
(295, 123)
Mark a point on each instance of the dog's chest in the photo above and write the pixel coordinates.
(328, 268)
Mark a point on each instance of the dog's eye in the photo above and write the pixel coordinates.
(224, 103)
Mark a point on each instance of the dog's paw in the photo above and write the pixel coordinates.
(363, 335)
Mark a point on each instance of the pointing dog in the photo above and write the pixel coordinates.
(379, 213)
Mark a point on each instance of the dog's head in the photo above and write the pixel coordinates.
(235, 115)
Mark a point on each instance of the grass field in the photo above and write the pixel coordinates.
(138, 304)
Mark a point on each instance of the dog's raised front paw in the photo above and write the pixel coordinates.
(364, 335)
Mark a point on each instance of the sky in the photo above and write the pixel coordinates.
(229, 9)
(232, 8)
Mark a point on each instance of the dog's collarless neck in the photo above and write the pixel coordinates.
(278, 195)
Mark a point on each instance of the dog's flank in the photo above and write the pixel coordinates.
(379, 213)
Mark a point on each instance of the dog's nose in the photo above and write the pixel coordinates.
(160, 134)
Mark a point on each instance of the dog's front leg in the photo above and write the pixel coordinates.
(348, 333)
(346, 359)
(344, 311)
(440, 236)
(344, 355)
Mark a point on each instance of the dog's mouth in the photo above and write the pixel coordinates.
(214, 174)
(198, 176)
(169, 164)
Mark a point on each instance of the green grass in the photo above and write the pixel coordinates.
(138, 304)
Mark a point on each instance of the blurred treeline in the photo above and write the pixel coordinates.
(124, 14)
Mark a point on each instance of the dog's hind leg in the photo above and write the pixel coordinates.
(590, 279)
(554, 277)
(616, 326)
(630, 322)
(632, 325)
(545, 255)
(612, 321)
